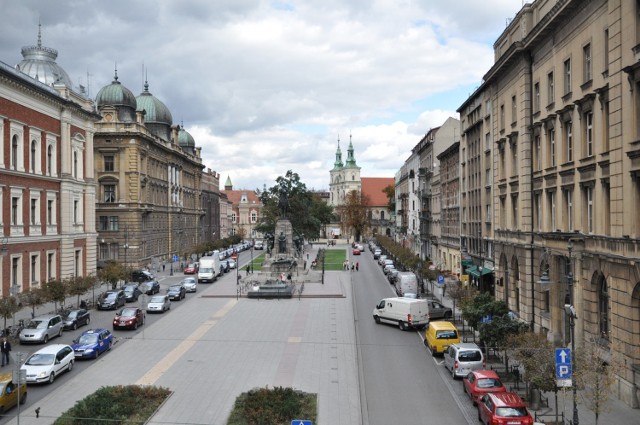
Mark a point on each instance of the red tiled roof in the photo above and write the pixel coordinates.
(234, 196)
(372, 187)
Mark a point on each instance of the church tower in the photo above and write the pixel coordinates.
(345, 177)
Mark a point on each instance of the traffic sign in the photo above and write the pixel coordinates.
(440, 280)
(563, 367)
(300, 422)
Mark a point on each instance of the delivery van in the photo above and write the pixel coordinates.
(406, 282)
(439, 336)
(405, 312)
(210, 268)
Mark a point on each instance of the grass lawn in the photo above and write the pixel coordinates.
(256, 264)
(334, 259)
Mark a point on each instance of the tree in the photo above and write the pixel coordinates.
(79, 285)
(353, 213)
(390, 191)
(33, 297)
(112, 273)
(306, 211)
(55, 291)
(8, 307)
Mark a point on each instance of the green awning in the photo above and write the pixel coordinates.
(473, 271)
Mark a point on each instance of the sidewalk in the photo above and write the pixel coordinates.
(618, 412)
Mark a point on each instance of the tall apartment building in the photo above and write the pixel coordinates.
(560, 109)
(47, 181)
(449, 244)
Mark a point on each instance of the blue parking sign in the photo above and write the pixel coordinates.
(563, 363)
(440, 280)
(300, 422)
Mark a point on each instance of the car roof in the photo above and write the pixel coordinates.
(45, 317)
(467, 346)
(51, 349)
(507, 399)
(94, 331)
(485, 374)
(5, 377)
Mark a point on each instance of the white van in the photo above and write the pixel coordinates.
(406, 282)
(405, 312)
(209, 268)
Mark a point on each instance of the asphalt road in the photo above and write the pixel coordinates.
(402, 382)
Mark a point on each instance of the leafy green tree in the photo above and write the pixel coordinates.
(8, 307)
(353, 213)
(55, 291)
(390, 191)
(483, 305)
(79, 285)
(112, 273)
(33, 297)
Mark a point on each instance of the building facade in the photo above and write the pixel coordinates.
(344, 177)
(245, 211)
(47, 181)
(378, 212)
(561, 107)
(449, 244)
(210, 226)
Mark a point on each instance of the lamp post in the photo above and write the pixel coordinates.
(571, 312)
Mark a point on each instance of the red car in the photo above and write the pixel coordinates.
(503, 408)
(128, 318)
(191, 269)
(480, 382)
(356, 251)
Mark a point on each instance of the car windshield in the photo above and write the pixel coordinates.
(488, 383)
(470, 356)
(38, 324)
(446, 334)
(174, 288)
(129, 289)
(40, 359)
(206, 270)
(157, 300)
(88, 339)
(110, 296)
(72, 315)
(511, 412)
(127, 313)
(190, 280)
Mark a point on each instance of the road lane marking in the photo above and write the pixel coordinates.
(167, 361)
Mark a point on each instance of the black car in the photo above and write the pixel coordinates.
(141, 276)
(76, 318)
(131, 292)
(176, 292)
(151, 287)
(111, 300)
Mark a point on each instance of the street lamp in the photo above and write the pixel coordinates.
(571, 312)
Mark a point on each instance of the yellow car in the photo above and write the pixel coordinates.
(9, 393)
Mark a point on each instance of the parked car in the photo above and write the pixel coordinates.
(76, 318)
(128, 318)
(258, 245)
(150, 287)
(392, 274)
(377, 253)
(439, 336)
(90, 344)
(42, 329)
(48, 363)
(439, 311)
(355, 251)
(381, 259)
(231, 263)
(142, 276)
(159, 303)
(131, 292)
(463, 358)
(479, 382)
(190, 284)
(503, 408)
(9, 392)
(176, 292)
(190, 269)
(112, 300)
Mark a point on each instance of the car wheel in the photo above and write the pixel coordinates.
(377, 319)
(110, 344)
(402, 326)
(45, 339)
(97, 354)
(70, 366)
(23, 399)
(52, 377)
(75, 326)
(135, 326)
(453, 373)
(479, 417)
(60, 333)
(2, 410)
(88, 321)
(434, 351)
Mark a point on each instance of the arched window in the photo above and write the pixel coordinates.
(381, 215)
(33, 155)
(603, 308)
(14, 153)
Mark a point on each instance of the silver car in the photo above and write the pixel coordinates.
(42, 329)
(159, 304)
(190, 284)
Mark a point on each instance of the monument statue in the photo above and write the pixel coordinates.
(282, 243)
(283, 201)
(269, 238)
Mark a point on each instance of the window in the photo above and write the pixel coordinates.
(586, 59)
(75, 164)
(568, 136)
(502, 119)
(536, 97)
(606, 206)
(233, 217)
(34, 157)
(254, 216)
(603, 308)
(552, 210)
(35, 275)
(606, 50)
(49, 211)
(514, 159)
(14, 153)
(514, 210)
(108, 163)
(34, 211)
(109, 193)
(550, 89)
(50, 266)
(537, 145)
(537, 210)
(75, 211)
(114, 223)
(15, 209)
(16, 267)
(567, 76)
(514, 110)
(588, 199)
(588, 133)
(568, 200)
(552, 147)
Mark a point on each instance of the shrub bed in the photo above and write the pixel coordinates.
(276, 406)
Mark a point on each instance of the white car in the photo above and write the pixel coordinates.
(190, 284)
(47, 363)
(159, 304)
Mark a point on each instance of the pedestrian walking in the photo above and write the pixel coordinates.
(353, 266)
(357, 265)
(163, 265)
(5, 348)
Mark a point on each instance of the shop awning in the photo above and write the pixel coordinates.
(473, 271)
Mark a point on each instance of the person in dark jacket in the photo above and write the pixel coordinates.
(5, 348)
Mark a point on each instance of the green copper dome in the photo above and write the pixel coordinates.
(115, 94)
(185, 139)
(156, 112)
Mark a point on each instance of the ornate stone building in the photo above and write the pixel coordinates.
(560, 107)
(449, 244)
(47, 182)
(345, 177)
(149, 172)
(244, 212)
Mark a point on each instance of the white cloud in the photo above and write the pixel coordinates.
(267, 86)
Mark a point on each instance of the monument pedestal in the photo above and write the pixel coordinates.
(284, 231)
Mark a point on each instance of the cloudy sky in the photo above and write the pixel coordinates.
(269, 86)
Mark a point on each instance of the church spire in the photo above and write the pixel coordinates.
(351, 160)
(338, 164)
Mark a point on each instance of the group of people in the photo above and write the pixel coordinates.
(346, 265)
